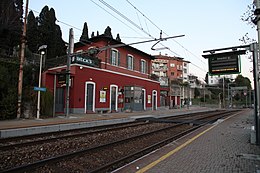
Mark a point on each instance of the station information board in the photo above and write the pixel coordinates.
(224, 63)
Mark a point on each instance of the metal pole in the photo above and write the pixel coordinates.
(39, 85)
(223, 91)
(254, 49)
(54, 95)
(20, 81)
(228, 96)
(70, 51)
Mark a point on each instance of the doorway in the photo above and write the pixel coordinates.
(113, 98)
(59, 101)
(154, 100)
(90, 97)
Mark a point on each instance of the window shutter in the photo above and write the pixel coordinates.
(110, 56)
(140, 66)
(126, 61)
(133, 63)
(118, 60)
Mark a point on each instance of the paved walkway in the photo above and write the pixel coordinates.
(219, 148)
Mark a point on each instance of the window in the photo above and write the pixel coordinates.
(143, 66)
(164, 74)
(115, 57)
(172, 65)
(130, 62)
(184, 70)
(185, 64)
(172, 73)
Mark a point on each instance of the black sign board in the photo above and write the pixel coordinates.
(224, 63)
(62, 79)
(86, 60)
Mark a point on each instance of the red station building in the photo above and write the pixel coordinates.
(105, 76)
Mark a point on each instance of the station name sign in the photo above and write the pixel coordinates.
(85, 60)
(224, 63)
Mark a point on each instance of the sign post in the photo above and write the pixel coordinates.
(229, 67)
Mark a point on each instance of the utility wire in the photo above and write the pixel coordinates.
(114, 16)
(163, 32)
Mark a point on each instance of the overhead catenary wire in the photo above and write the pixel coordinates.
(163, 31)
(126, 18)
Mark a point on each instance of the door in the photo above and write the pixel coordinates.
(143, 99)
(113, 98)
(90, 97)
(59, 101)
(154, 100)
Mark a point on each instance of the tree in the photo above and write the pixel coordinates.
(243, 81)
(50, 33)
(84, 36)
(32, 33)
(11, 15)
(196, 93)
(207, 78)
(250, 19)
(108, 32)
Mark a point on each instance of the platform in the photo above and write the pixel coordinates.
(223, 147)
(21, 127)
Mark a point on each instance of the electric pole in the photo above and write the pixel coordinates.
(70, 51)
(20, 81)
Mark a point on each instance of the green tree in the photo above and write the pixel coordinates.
(32, 33)
(11, 15)
(50, 33)
(84, 36)
(242, 81)
(196, 93)
(207, 78)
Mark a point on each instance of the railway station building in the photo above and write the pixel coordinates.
(106, 75)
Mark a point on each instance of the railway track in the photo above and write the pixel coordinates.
(120, 151)
(11, 143)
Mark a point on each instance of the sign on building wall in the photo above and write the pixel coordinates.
(102, 96)
(85, 60)
(149, 99)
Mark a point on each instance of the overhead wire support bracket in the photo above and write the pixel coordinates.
(123, 44)
(161, 39)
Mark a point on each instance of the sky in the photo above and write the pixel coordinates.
(206, 24)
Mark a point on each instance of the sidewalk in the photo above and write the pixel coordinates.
(220, 148)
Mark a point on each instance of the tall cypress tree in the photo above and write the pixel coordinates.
(84, 37)
(50, 33)
(32, 33)
(11, 21)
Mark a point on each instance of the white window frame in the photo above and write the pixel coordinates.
(143, 66)
(144, 98)
(132, 62)
(154, 102)
(94, 95)
(116, 106)
(116, 58)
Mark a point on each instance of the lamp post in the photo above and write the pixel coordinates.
(42, 52)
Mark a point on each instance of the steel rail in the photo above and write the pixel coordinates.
(39, 163)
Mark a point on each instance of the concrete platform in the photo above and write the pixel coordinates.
(220, 148)
(22, 127)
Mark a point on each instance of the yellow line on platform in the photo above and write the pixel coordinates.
(146, 168)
